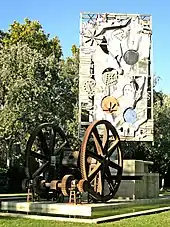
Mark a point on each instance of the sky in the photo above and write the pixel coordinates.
(62, 18)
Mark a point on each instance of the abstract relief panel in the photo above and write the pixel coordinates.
(115, 76)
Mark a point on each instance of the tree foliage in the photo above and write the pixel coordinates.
(31, 32)
(2, 35)
(70, 71)
(31, 89)
(36, 84)
(160, 152)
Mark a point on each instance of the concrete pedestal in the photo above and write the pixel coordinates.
(138, 182)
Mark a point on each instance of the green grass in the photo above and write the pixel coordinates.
(155, 220)
(134, 208)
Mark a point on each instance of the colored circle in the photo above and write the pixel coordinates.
(109, 104)
(131, 57)
(130, 115)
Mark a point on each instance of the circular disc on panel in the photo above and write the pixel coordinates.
(109, 104)
(130, 115)
(131, 57)
(89, 86)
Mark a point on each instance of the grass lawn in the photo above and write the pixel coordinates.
(154, 220)
(130, 209)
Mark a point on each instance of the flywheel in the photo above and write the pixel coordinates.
(101, 160)
(44, 154)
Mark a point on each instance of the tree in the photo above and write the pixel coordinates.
(2, 35)
(160, 152)
(70, 73)
(32, 91)
(36, 85)
(33, 35)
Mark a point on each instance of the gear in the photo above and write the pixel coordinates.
(66, 184)
(82, 185)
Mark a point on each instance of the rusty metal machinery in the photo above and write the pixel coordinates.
(51, 166)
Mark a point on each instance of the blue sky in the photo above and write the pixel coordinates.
(61, 18)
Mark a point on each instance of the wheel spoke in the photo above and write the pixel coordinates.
(97, 141)
(103, 179)
(52, 141)
(60, 148)
(109, 179)
(43, 143)
(37, 155)
(94, 171)
(40, 170)
(91, 191)
(99, 182)
(95, 156)
(114, 165)
(113, 147)
(105, 140)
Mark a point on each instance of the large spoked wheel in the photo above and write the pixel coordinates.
(44, 153)
(101, 160)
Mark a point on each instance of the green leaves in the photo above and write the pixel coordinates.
(30, 87)
(69, 73)
(160, 152)
(33, 35)
(36, 85)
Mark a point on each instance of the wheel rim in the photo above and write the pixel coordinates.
(44, 149)
(101, 160)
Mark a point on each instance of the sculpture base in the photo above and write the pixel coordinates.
(137, 182)
(71, 210)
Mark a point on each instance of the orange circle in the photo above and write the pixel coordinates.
(109, 104)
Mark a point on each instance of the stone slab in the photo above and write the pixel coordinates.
(67, 209)
(84, 220)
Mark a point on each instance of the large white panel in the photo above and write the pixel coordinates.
(115, 79)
